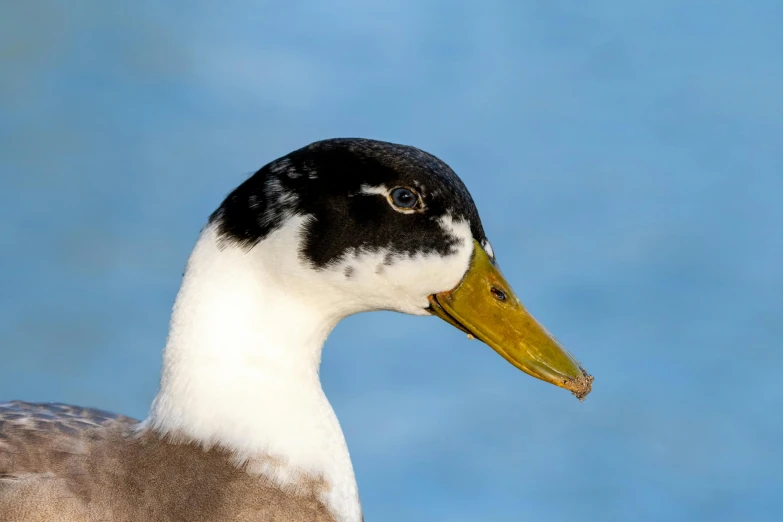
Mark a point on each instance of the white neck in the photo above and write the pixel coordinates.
(241, 368)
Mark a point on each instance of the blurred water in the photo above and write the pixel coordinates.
(626, 158)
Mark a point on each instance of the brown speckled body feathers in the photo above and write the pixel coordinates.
(65, 463)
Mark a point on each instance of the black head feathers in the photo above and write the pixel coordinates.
(343, 186)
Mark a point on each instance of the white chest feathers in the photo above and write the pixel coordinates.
(241, 362)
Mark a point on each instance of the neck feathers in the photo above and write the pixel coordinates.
(240, 369)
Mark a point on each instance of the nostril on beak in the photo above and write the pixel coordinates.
(498, 294)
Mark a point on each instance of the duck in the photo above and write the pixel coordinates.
(240, 429)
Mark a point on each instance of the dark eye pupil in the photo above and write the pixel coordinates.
(404, 198)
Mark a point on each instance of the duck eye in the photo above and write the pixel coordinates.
(404, 198)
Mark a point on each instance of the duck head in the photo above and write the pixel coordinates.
(355, 225)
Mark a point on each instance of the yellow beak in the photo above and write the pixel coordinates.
(483, 305)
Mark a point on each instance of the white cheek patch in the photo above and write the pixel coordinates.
(363, 280)
(384, 279)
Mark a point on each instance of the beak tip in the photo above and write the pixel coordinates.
(580, 386)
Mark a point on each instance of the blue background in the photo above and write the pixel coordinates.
(627, 159)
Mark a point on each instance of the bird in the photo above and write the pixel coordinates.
(240, 429)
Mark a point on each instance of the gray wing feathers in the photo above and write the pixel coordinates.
(44, 474)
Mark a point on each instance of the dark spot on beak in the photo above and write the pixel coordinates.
(349, 270)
